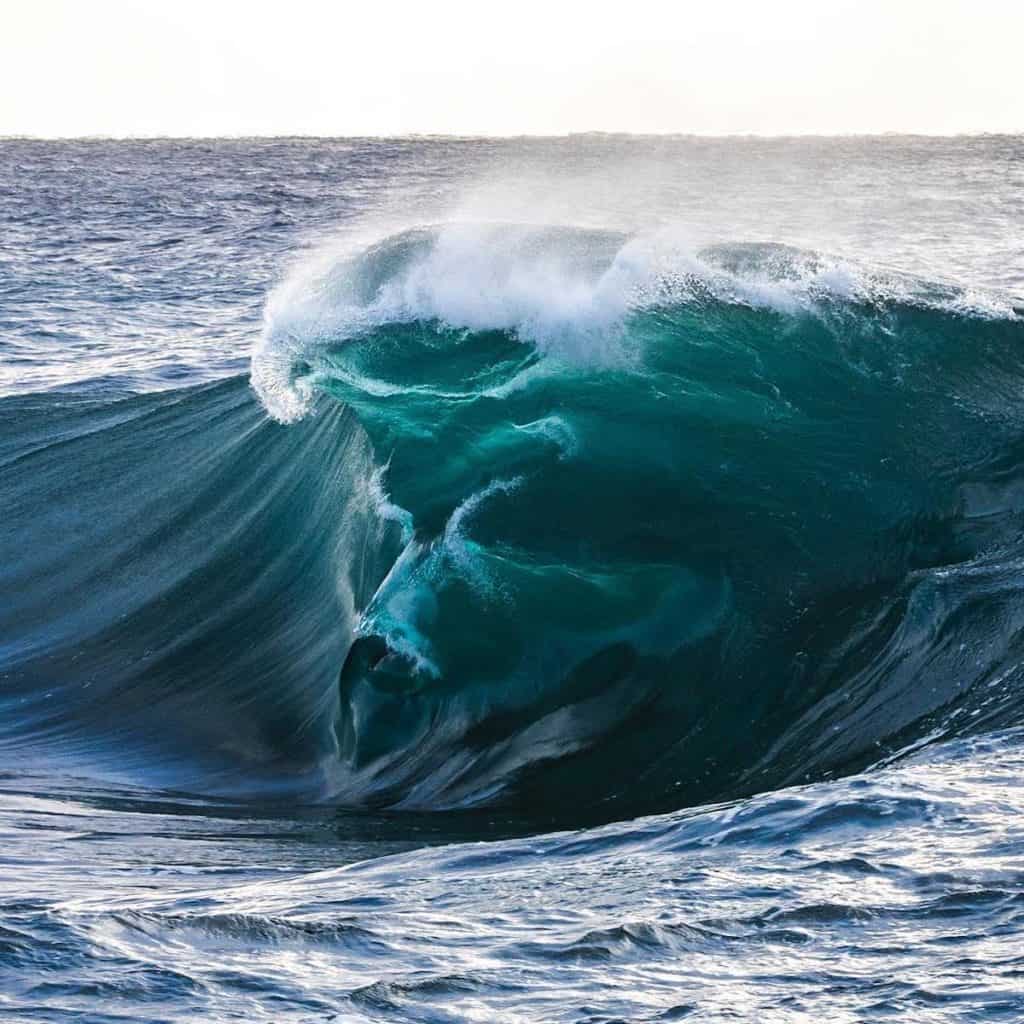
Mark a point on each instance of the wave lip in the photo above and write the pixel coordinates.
(566, 291)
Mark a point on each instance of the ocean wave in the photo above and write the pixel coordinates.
(561, 520)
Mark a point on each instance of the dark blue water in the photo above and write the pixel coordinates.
(529, 580)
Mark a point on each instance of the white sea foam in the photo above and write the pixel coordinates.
(567, 291)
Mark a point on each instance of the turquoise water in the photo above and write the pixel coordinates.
(523, 580)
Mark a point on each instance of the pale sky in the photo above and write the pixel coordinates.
(383, 67)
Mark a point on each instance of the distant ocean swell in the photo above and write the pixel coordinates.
(551, 518)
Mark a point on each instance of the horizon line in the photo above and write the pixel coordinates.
(474, 137)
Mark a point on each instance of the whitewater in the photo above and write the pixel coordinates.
(532, 580)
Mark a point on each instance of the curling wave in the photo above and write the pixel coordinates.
(559, 519)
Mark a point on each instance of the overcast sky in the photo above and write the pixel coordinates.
(379, 67)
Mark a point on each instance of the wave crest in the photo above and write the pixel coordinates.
(567, 291)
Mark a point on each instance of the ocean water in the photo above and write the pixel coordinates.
(520, 580)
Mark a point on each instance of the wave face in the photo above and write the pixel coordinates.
(181, 575)
(555, 519)
(674, 525)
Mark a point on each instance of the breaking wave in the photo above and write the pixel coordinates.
(541, 517)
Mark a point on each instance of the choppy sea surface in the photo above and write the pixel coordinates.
(526, 580)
